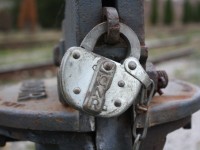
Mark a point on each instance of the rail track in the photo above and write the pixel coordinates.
(48, 69)
(27, 71)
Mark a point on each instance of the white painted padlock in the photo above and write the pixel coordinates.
(97, 85)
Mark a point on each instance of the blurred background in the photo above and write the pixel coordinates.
(29, 30)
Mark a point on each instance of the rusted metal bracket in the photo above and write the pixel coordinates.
(112, 17)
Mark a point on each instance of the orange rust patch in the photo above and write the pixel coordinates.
(66, 106)
(70, 109)
(59, 120)
(57, 106)
(186, 92)
(12, 104)
(162, 99)
(171, 98)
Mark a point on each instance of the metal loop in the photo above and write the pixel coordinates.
(143, 133)
(142, 113)
(113, 28)
(91, 38)
(152, 87)
(145, 99)
(137, 142)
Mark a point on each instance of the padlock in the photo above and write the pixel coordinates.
(97, 85)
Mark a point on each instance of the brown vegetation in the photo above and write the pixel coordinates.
(28, 15)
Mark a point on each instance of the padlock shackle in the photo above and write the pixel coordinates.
(91, 38)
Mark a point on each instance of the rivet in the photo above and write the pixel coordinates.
(121, 83)
(76, 55)
(117, 103)
(77, 91)
(132, 65)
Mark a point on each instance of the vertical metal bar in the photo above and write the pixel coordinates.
(131, 13)
(114, 133)
(80, 17)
